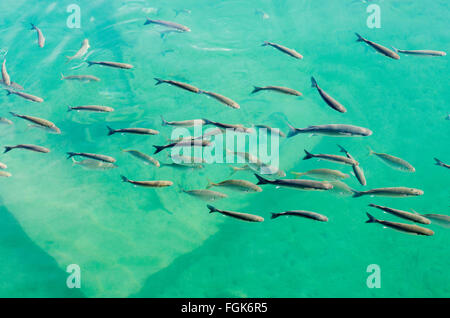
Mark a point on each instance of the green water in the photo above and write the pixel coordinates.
(137, 242)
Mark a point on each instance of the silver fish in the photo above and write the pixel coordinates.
(13, 85)
(142, 156)
(357, 170)
(395, 162)
(237, 215)
(335, 130)
(327, 98)
(149, 184)
(91, 156)
(5, 174)
(237, 185)
(300, 184)
(91, 164)
(389, 192)
(439, 219)
(136, 131)
(5, 76)
(257, 165)
(92, 108)
(224, 100)
(278, 89)
(81, 52)
(421, 52)
(237, 128)
(341, 188)
(41, 38)
(271, 130)
(184, 86)
(379, 48)
(333, 158)
(27, 147)
(184, 143)
(111, 64)
(206, 195)
(40, 122)
(183, 123)
(168, 24)
(403, 214)
(284, 49)
(300, 213)
(402, 227)
(25, 96)
(81, 78)
(3, 166)
(325, 174)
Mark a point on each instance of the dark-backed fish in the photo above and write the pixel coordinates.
(41, 38)
(278, 89)
(333, 158)
(91, 156)
(111, 64)
(25, 96)
(394, 162)
(206, 195)
(136, 131)
(149, 184)
(224, 100)
(389, 192)
(415, 217)
(304, 214)
(183, 123)
(327, 98)
(300, 184)
(237, 215)
(402, 227)
(237, 128)
(184, 143)
(168, 24)
(27, 147)
(284, 49)
(184, 86)
(237, 185)
(40, 122)
(92, 108)
(335, 130)
(379, 48)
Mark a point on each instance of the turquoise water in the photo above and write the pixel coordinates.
(137, 242)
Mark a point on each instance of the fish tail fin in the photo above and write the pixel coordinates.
(360, 38)
(206, 121)
(210, 184)
(90, 63)
(265, 43)
(70, 155)
(158, 81)
(308, 155)
(256, 89)
(8, 92)
(356, 193)
(8, 148)
(233, 170)
(211, 208)
(124, 179)
(298, 174)
(110, 131)
(14, 114)
(74, 162)
(395, 49)
(32, 26)
(158, 149)
(313, 82)
(292, 131)
(371, 152)
(62, 76)
(438, 162)
(261, 180)
(274, 215)
(371, 218)
(164, 122)
(69, 108)
(148, 21)
(342, 149)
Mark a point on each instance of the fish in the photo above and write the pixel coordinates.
(327, 98)
(5, 121)
(439, 219)
(182, 166)
(25, 96)
(13, 85)
(91, 108)
(237, 215)
(168, 24)
(27, 147)
(5, 76)
(3, 166)
(81, 52)
(357, 170)
(237, 128)
(224, 100)
(184, 143)
(379, 48)
(40, 122)
(81, 78)
(341, 188)
(236, 184)
(300, 213)
(206, 195)
(184, 86)
(111, 64)
(415, 217)
(271, 130)
(421, 52)
(41, 38)
(442, 164)
(5, 174)
(91, 156)
(142, 156)
(236, 169)
(300, 184)
(284, 49)
(186, 160)
(389, 192)
(335, 130)
(91, 164)
(333, 158)
(149, 184)
(325, 174)
(183, 123)
(278, 89)
(136, 131)
(402, 227)
(257, 165)
(394, 162)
